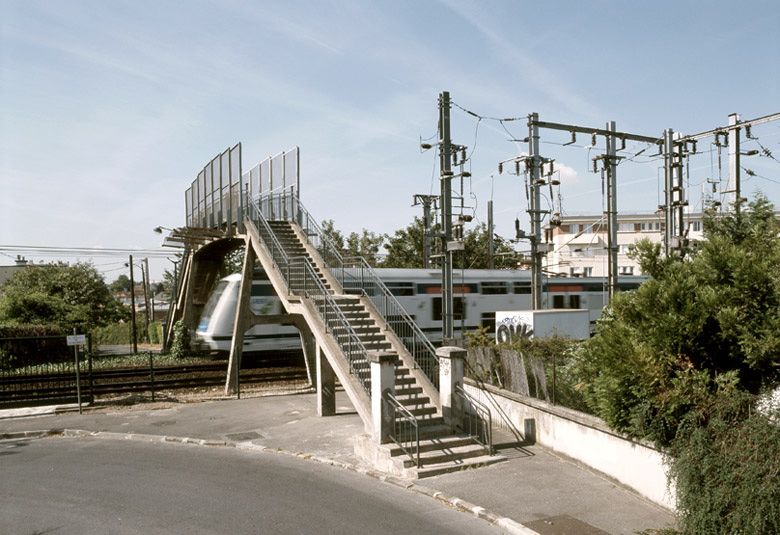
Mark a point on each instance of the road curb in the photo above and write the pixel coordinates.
(507, 525)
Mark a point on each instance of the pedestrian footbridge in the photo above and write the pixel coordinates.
(418, 419)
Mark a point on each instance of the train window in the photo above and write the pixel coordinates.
(493, 287)
(456, 288)
(558, 301)
(574, 301)
(489, 320)
(457, 309)
(522, 288)
(400, 288)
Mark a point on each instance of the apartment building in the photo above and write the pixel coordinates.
(579, 243)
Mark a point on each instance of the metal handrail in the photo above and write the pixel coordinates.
(287, 205)
(278, 254)
(357, 274)
(406, 430)
(311, 229)
(301, 279)
(478, 425)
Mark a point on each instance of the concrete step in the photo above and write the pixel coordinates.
(422, 413)
(456, 466)
(413, 400)
(453, 456)
(437, 444)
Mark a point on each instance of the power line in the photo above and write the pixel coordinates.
(44, 250)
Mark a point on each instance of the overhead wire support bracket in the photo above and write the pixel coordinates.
(597, 131)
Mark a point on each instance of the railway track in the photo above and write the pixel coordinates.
(50, 387)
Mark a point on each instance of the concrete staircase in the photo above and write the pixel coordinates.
(441, 449)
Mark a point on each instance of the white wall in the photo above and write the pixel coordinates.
(584, 438)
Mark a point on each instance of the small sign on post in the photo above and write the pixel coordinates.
(77, 340)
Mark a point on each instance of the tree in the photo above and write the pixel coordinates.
(405, 248)
(65, 295)
(365, 244)
(476, 251)
(703, 327)
(121, 284)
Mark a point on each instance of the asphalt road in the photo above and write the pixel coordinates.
(81, 485)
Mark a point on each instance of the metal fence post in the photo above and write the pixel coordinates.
(151, 372)
(89, 369)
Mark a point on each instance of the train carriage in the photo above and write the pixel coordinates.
(477, 294)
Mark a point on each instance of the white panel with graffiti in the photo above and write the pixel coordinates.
(516, 324)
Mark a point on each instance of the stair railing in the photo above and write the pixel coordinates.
(356, 275)
(406, 431)
(278, 253)
(301, 279)
(477, 420)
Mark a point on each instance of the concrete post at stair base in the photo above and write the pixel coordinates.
(326, 385)
(451, 362)
(382, 382)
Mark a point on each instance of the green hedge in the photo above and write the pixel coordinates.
(27, 345)
(120, 334)
(727, 469)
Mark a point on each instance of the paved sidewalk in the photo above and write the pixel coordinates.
(546, 493)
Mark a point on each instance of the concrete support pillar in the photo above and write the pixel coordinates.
(233, 382)
(309, 344)
(382, 383)
(326, 385)
(451, 362)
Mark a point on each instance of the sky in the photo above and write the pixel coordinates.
(108, 110)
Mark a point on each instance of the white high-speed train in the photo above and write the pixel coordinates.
(478, 294)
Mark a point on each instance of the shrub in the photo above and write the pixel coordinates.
(180, 347)
(26, 345)
(726, 469)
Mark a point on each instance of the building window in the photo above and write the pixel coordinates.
(625, 227)
(574, 228)
(574, 301)
(587, 271)
(558, 301)
(696, 226)
(626, 270)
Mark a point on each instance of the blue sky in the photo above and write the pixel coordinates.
(109, 109)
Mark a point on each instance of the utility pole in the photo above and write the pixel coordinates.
(534, 210)
(146, 304)
(150, 298)
(132, 307)
(610, 166)
(668, 219)
(445, 169)
(491, 245)
(734, 161)
(674, 194)
(426, 201)
(732, 132)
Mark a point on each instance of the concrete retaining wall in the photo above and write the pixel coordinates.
(582, 437)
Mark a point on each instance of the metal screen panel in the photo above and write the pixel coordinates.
(209, 197)
(188, 207)
(201, 199)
